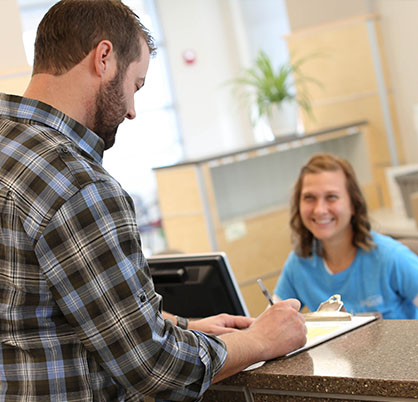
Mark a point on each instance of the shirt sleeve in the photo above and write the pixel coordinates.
(285, 287)
(90, 253)
(404, 278)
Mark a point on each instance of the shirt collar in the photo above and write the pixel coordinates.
(31, 109)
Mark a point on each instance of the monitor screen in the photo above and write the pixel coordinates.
(197, 285)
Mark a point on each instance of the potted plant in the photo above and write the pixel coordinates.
(275, 92)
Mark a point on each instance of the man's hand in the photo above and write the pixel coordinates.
(277, 331)
(221, 324)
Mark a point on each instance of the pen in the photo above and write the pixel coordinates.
(265, 291)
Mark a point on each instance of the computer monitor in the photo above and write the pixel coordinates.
(197, 285)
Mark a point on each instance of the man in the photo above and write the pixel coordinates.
(80, 319)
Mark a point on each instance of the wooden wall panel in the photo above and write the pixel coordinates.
(14, 85)
(187, 233)
(337, 51)
(346, 69)
(264, 247)
(178, 191)
(254, 298)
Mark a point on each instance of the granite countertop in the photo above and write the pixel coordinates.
(379, 359)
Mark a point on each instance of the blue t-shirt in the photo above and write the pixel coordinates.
(383, 280)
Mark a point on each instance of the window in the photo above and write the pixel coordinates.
(152, 139)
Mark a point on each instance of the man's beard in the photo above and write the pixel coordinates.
(110, 110)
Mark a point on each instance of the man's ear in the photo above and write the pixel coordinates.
(103, 57)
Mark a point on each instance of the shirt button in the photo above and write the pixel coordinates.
(142, 298)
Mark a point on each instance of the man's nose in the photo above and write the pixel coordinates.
(131, 114)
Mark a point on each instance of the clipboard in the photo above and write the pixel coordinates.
(329, 322)
(329, 310)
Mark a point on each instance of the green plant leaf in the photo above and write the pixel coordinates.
(267, 86)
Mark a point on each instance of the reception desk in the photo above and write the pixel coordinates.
(377, 362)
(237, 202)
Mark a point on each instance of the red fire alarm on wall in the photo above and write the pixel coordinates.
(189, 56)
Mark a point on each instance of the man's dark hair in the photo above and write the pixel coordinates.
(72, 28)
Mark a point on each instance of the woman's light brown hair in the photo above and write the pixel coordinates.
(303, 240)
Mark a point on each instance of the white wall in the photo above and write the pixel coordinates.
(211, 119)
(200, 24)
(265, 24)
(226, 36)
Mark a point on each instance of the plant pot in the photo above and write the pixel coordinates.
(283, 118)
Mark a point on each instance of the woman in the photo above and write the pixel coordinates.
(336, 252)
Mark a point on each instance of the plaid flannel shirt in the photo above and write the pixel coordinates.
(79, 317)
